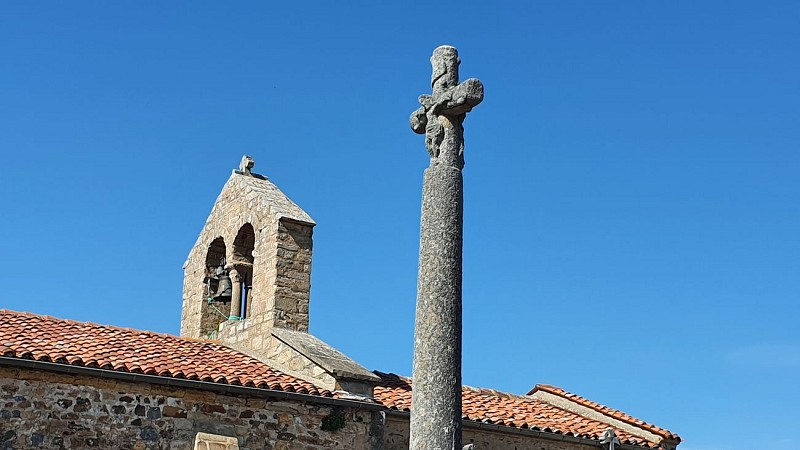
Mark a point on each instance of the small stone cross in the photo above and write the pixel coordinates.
(246, 165)
(446, 109)
(610, 440)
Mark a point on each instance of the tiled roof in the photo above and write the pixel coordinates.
(611, 412)
(518, 411)
(43, 338)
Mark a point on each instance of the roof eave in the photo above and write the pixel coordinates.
(527, 432)
(230, 389)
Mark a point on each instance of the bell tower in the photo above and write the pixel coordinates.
(251, 261)
(247, 283)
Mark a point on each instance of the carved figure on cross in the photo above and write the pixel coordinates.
(441, 115)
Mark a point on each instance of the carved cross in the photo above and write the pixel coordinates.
(610, 440)
(442, 113)
(246, 165)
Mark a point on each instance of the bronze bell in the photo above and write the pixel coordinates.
(224, 285)
(224, 288)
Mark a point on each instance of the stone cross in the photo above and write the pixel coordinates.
(246, 165)
(610, 440)
(436, 395)
(443, 113)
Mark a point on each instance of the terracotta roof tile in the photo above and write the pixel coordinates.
(500, 408)
(43, 338)
(611, 412)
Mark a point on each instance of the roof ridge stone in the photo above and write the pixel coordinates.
(604, 409)
(507, 409)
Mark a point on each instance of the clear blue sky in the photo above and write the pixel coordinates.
(632, 214)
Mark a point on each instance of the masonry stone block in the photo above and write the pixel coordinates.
(172, 418)
(260, 232)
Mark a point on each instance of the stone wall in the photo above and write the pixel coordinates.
(251, 211)
(397, 428)
(59, 411)
(276, 353)
(208, 441)
(268, 239)
(292, 276)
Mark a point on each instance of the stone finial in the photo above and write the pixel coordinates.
(610, 440)
(445, 63)
(246, 165)
(447, 107)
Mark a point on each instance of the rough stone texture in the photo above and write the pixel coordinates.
(208, 441)
(592, 414)
(491, 440)
(334, 361)
(436, 415)
(397, 438)
(306, 357)
(280, 270)
(288, 306)
(266, 239)
(57, 411)
(436, 398)
(442, 114)
(283, 357)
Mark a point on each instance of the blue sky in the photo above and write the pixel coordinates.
(631, 177)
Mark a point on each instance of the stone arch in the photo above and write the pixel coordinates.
(216, 252)
(242, 260)
(243, 244)
(275, 257)
(213, 311)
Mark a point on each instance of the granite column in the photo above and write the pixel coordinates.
(436, 394)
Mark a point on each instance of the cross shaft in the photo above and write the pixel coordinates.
(436, 393)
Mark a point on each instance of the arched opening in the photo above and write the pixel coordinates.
(244, 243)
(216, 252)
(242, 255)
(215, 268)
(217, 291)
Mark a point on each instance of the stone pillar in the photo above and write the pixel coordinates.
(236, 294)
(436, 394)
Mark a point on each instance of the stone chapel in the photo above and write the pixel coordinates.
(246, 373)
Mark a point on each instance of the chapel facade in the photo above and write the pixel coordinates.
(245, 373)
